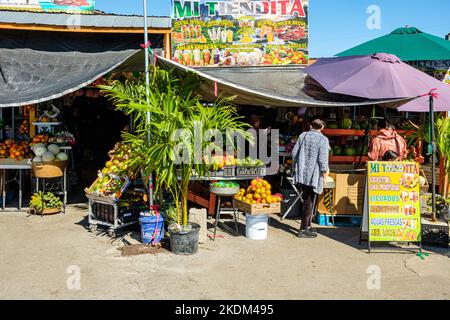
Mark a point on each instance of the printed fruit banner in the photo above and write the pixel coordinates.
(240, 32)
(49, 5)
(394, 202)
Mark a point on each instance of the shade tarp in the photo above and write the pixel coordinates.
(41, 66)
(271, 86)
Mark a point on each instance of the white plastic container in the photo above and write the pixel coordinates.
(256, 227)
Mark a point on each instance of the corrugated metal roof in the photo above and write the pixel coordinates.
(83, 20)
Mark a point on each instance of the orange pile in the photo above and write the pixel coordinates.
(42, 138)
(260, 191)
(25, 127)
(16, 151)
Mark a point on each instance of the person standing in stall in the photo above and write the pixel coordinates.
(387, 140)
(311, 170)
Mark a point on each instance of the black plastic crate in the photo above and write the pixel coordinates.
(250, 171)
(229, 171)
(435, 235)
(105, 213)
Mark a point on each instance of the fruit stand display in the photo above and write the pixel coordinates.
(112, 201)
(50, 162)
(45, 204)
(349, 138)
(227, 168)
(15, 151)
(258, 199)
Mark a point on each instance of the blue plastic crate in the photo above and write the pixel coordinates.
(340, 220)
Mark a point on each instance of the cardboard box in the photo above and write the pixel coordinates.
(348, 197)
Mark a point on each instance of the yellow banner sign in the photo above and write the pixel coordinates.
(394, 201)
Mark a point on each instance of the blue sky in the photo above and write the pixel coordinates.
(335, 25)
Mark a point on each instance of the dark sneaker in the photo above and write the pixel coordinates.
(307, 234)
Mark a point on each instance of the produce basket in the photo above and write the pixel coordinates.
(48, 170)
(220, 191)
(51, 211)
(111, 197)
(47, 212)
(258, 209)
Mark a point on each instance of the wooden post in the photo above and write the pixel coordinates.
(167, 46)
(443, 180)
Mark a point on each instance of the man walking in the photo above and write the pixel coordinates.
(311, 169)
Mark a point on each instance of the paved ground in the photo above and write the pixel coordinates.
(37, 252)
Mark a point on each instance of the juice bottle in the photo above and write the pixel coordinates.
(197, 57)
(202, 58)
(187, 58)
(216, 56)
(230, 36)
(191, 58)
(207, 56)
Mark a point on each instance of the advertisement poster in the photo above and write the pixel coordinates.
(394, 203)
(49, 5)
(240, 32)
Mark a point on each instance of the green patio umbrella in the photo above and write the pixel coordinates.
(409, 44)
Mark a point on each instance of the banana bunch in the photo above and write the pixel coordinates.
(40, 201)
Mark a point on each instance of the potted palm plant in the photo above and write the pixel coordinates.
(179, 121)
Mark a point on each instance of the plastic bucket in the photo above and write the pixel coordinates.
(256, 227)
(185, 243)
(152, 229)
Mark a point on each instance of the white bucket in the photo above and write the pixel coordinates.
(256, 227)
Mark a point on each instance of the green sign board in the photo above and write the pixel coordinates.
(240, 32)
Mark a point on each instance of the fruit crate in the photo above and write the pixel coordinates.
(226, 172)
(229, 171)
(247, 171)
(113, 215)
(110, 199)
(435, 234)
(258, 209)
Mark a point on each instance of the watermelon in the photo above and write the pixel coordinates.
(363, 124)
(349, 151)
(356, 126)
(337, 150)
(346, 123)
(333, 125)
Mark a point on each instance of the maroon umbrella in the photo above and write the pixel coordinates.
(383, 76)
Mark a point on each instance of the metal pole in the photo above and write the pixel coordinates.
(433, 157)
(147, 87)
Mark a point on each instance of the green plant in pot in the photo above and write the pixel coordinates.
(178, 120)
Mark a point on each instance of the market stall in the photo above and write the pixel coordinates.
(50, 73)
